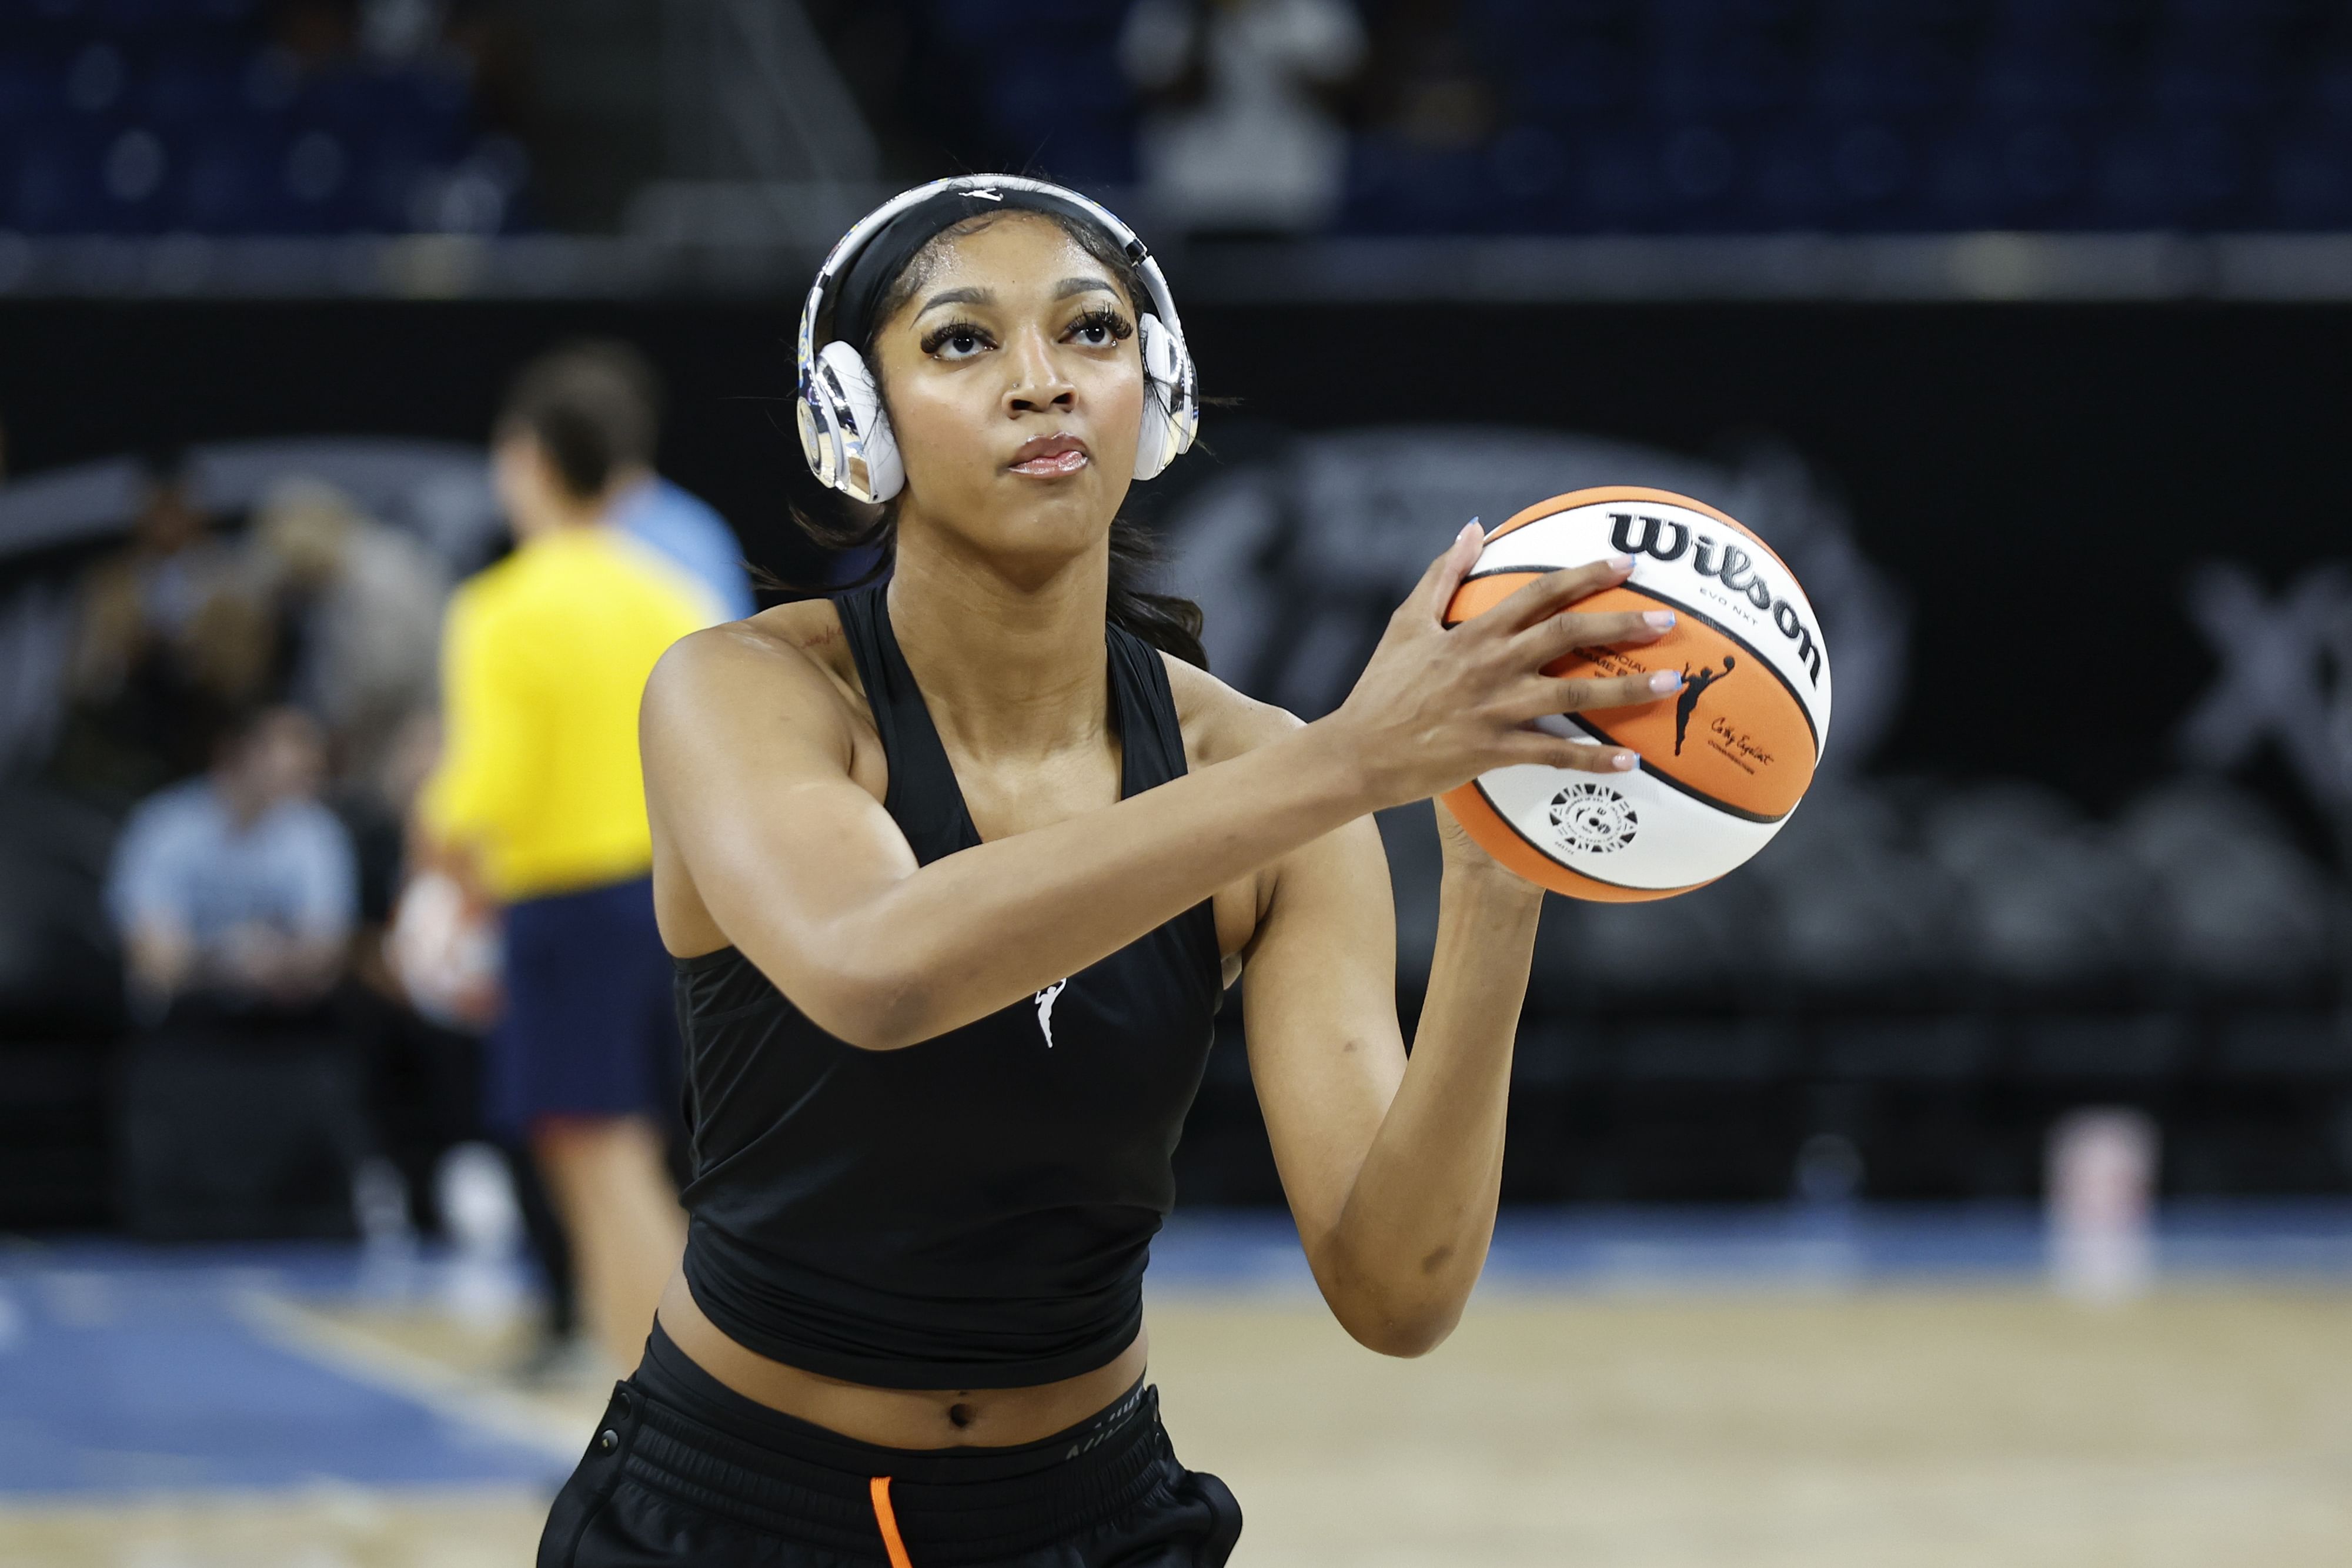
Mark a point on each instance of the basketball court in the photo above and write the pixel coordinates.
(1667, 1390)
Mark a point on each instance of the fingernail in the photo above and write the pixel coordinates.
(1666, 680)
(1620, 563)
(1623, 761)
(1470, 530)
(1659, 620)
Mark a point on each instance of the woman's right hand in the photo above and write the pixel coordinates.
(1437, 704)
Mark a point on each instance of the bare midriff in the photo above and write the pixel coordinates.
(897, 1418)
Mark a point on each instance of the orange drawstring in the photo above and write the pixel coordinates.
(888, 1520)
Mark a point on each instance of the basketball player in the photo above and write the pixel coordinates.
(956, 866)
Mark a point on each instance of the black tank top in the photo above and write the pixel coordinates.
(973, 1211)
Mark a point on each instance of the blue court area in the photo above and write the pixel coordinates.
(129, 1371)
(132, 1371)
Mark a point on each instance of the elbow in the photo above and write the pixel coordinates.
(1403, 1329)
(1403, 1338)
(872, 1011)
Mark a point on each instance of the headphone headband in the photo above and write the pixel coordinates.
(846, 252)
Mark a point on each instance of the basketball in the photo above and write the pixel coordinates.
(1724, 760)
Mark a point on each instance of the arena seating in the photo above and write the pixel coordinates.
(1751, 116)
(1892, 116)
(143, 117)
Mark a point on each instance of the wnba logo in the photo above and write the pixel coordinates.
(1592, 818)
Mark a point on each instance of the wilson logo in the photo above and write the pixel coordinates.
(1728, 564)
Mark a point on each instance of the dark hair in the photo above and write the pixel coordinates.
(1165, 621)
(594, 407)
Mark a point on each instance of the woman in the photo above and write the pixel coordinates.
(957, 866)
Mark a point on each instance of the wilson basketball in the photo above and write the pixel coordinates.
(1724, 761)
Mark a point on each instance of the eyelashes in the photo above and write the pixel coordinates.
(1103, 319)
(939, 337)
(967, 338)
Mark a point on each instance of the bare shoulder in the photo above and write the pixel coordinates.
(1220, 723)
(792, 659)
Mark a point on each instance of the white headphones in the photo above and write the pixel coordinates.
(845, 435)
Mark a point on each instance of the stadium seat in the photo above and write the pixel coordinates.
(55, 185)
(188, 92)
(139, 116)
(2309, 183)
(227, 185)
(1904, 79)
(1578, 80)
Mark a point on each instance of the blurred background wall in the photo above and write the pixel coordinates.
(2022, 325)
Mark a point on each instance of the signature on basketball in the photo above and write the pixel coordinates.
(1736, 743)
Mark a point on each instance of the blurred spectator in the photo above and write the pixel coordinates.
(242, 1109)
(612, 385)
(361, 601)
(1243, 138)
(170, 639)
(237, 892)
(538, 806)
(1423, 84)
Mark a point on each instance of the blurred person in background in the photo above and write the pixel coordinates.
(235, 893)
(637, 500)
(537, 808)
(170, 639)
(361, 603)
(1422, 85)
(1241, 138)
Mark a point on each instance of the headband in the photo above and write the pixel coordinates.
(895, 243)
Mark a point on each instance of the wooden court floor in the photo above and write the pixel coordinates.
(1897, 1428)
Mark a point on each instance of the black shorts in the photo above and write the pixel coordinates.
(683, 1470)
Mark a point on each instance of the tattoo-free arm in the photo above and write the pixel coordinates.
(1393, 1167)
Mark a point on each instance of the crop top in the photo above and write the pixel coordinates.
(974, 1210)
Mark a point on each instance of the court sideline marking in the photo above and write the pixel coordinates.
(443, 1390)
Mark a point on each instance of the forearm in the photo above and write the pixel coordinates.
(1413, 1235)
(983, 928)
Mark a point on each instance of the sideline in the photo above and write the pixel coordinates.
(449, 1392)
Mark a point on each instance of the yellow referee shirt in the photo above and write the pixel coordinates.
(545, 659)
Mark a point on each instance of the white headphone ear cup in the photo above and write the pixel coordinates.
(1167, 412)
(867, 468)
(819, 446)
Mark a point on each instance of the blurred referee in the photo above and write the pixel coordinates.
(538, 805)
